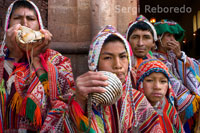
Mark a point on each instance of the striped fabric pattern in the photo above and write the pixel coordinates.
(168, 114)
(131, 113)
(180, 72)
(9, 117)
(188, 90)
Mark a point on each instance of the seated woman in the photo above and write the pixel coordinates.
(109, 51)
(153, 81)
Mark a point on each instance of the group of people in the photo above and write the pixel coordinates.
(161, 84)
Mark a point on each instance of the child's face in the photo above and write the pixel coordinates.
(155, 87)
(114, 58)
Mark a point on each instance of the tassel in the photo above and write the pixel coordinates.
(16, 102)
(195, 103)
(84, 127)
(23, 108)
(38, 117)
(189, 111)
(44, 64)
(81, 119)
(198, 78)
(2, 91)
(1, 127)
(99, 120)
(197, 98)
(78, 114)
(3, 96)
(30, 109)
(46, 87)
(2, 88)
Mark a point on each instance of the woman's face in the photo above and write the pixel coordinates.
(114, 58)
(155, 87)
(166, 39)
(25, 17)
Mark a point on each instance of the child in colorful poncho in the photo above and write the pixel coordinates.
(30, 83)
(142, 37)
(184, 68)
(109, 51)
(153, 80)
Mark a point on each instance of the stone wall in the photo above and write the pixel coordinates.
(70, 23)
(126, 13)
(75, 22)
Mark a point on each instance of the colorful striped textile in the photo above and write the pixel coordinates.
(25, 98)
(26, 106)
(186, 85)
(131, 113)
(166, 108)
(187, 72)
(184, 96)
(107, 118)
(132, 102)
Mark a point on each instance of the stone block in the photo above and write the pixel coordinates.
(84, 33)
(84, 16)
(126, 12)
(62, 15)
(83, 3)
(64, 32)
(102, 14)
(65, 3)
(79, 63)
